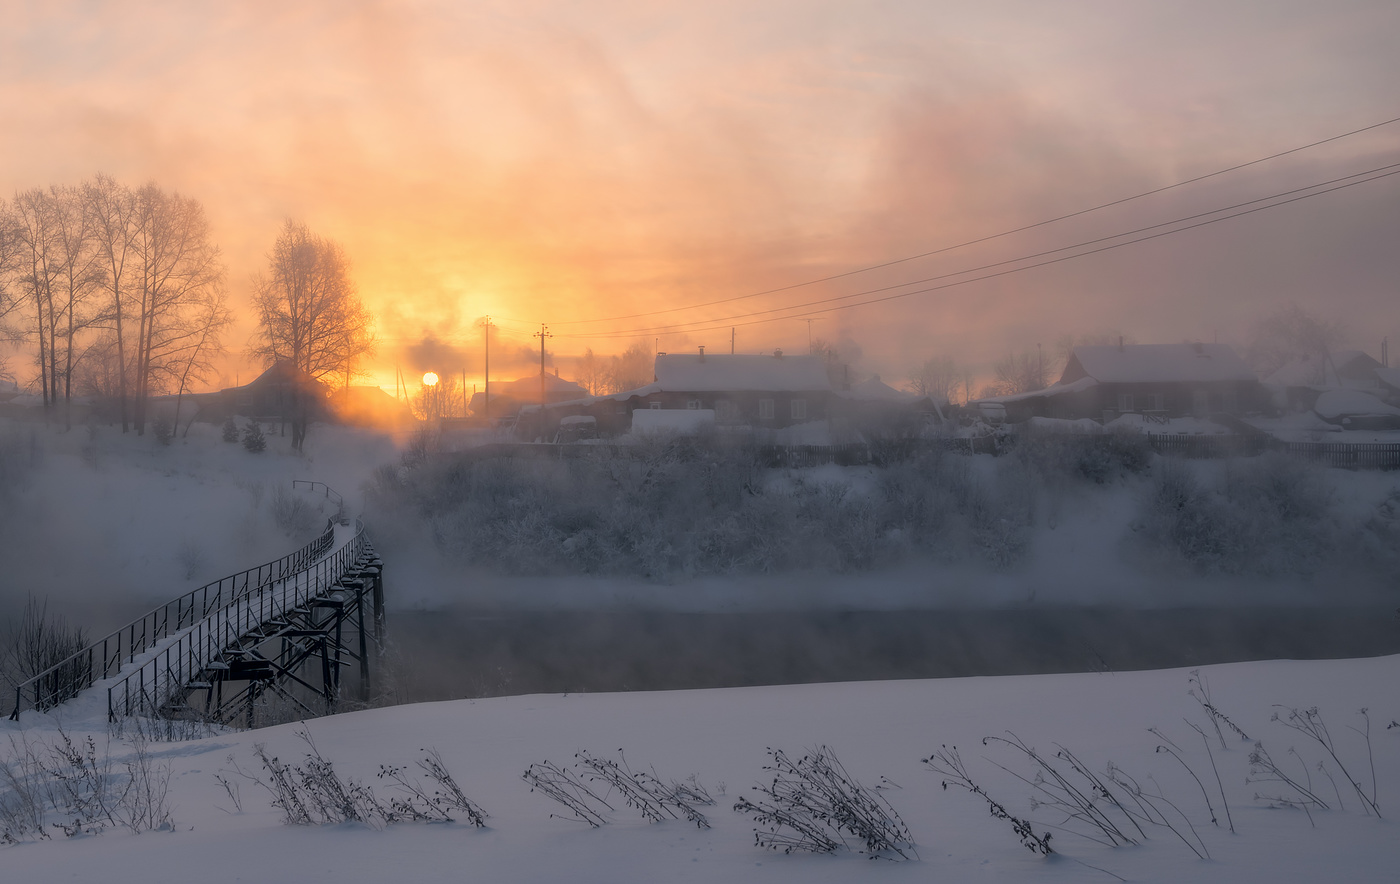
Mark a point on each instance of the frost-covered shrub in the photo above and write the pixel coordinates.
(291, 512)
(1096, 459)
(191, 558)
(1268, 515)
(1188, 520)
(230, 430)
(672, 508)
(161, 429)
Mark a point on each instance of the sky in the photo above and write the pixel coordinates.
(605, 167)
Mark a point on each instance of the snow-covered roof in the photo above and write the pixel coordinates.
(1059, 389)
(1157, 363)
(873, 388)
(724, 372)
(1341, 369)
(522, 388)
(1352, 403)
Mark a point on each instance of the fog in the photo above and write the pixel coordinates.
(666, 567)
(451, 654)
(541, 163)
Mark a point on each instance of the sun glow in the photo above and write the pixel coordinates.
(430, 379)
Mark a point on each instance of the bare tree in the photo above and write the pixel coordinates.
(939, 378)
(115, 221)
(9, 263)
(79, 275)
(309, 314)
(1020, 372)
(1293, 333)
(634, 368)
(37, 276)
(181, 311)
(592, 373)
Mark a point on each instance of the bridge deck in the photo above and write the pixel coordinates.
(153, 662)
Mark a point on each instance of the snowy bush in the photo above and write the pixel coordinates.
(291, 512)
(35, 642)
(253, 438)
(69, 786)
(314, 793)
(657, 800)
(230, 430)
(671, 508)
(191, 558)
(813, 804)
(1268, 515)
(1095, 459)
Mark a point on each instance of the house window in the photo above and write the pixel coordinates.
(765, 409)
(693, 404)
(1125, 402)
(655, 405)
(1156, 402)
(799, 409)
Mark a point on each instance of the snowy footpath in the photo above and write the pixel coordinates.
(721, 737)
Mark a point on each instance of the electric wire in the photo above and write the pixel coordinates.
(990, 237)
(676, 327)
(830, 303)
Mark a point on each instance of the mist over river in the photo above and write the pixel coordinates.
(449, 654)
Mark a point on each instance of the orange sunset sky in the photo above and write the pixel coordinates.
(603, 167)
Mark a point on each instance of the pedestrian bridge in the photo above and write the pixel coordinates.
(300, 629)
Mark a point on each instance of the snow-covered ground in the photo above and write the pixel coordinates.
(100, 521)
(720, 737)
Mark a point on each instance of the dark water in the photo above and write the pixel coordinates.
(445, 655)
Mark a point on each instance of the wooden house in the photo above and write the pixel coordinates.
(1156, 380)
(744, 392)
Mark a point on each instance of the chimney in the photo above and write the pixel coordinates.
(1120, 343)
(777, 354)
(702, 352)
(1199, 348)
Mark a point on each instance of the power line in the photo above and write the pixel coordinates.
(828, 303)
(994, 236)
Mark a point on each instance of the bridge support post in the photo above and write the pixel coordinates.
(364, 649)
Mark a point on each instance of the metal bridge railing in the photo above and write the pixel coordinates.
(164, 675)
(106, 656)
(331, 494)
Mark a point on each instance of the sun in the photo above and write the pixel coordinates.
(430, 378)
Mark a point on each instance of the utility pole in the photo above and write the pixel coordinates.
(542, 334)
(486, 333)
(809, 332)
(731, 341)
